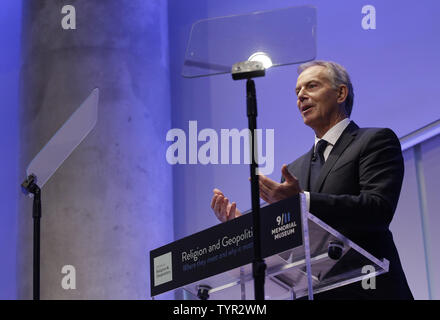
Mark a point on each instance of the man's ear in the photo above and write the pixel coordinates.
(342, 93)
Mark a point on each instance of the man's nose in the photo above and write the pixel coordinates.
(301, 96)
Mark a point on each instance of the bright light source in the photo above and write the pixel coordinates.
(263, 58)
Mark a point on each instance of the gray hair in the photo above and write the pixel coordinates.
(338, 75)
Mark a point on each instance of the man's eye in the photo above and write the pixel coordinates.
(312, 85)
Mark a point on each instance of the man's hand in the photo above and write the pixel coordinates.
(271, 191)
(223, 209)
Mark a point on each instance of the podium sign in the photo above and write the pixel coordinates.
(224, 247)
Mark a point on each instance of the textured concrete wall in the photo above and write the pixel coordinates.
(110, 202)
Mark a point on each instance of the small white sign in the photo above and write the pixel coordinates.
(163, 269)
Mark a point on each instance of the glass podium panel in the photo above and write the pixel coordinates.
(282, 37)
(65, 140)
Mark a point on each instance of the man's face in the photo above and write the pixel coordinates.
(317, 99)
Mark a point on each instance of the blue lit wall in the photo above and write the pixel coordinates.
(10, 26)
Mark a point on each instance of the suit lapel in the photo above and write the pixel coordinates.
(343, 142)
(304, 176)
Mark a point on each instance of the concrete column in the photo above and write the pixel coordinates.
(111, 201)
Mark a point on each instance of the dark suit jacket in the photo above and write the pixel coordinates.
(357, 193)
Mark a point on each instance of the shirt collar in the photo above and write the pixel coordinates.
(335, 132)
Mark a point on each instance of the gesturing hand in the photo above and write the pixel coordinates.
(223, 209)
(271, 191)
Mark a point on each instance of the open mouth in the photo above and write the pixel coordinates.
(305, 108)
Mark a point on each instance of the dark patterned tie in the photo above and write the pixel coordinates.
(317, 162)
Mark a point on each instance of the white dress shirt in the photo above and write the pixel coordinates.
(331, 136)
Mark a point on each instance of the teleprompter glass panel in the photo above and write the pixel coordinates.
(279, 37)
(65, 140)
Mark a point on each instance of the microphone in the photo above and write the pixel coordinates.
(314, 158)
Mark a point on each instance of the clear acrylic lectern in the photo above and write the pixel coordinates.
(292, 239)
(287, 277)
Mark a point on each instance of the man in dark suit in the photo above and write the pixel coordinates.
(351, 177)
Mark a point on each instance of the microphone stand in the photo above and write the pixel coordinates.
(248, 70)
(30, 186)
